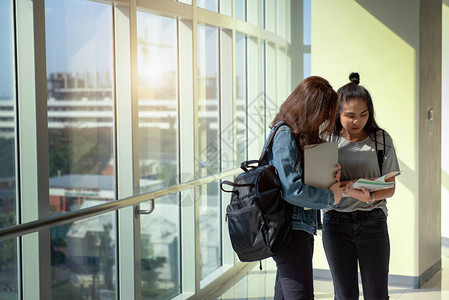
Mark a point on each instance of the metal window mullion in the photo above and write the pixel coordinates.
(196, 143)
(227, 125)
(281, 75)
(253, 93)
(128, 227)
(296, 52)
(33, 145)
(187, 113)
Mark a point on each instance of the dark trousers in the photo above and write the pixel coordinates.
(357, 237)
(294, 279)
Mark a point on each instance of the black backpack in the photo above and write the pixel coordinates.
(259, 219)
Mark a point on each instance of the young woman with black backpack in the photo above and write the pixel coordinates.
(308, 113)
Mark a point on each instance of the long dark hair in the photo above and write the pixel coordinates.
(309, 110)
(351, 91)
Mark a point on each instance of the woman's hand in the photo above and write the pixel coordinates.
(338, 192)
(362, 195)
(338, 173)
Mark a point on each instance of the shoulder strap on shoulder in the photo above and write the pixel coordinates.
(270, 140)
(380, 152)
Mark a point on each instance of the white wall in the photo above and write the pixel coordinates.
(385, 42)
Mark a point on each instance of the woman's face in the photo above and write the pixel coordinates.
(354, 115)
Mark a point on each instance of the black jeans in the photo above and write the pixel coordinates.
(294, 278)
(357, 237)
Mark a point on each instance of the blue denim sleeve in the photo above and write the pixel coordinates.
(283, 157)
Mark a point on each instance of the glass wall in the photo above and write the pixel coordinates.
(208, 104)
(217, 91)
(240, 9)
(208, 134)
(208, 4)
(8, 205)
(81, 145)
(241, 98)
(307, 31)
(158, 148)
(264, 120)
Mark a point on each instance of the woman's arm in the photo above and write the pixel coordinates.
(365, 196)
(284, 152)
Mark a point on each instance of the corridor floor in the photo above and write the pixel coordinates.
(258, 284)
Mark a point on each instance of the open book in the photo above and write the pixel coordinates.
(376, 184)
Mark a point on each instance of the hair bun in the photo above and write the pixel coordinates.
(354, 78)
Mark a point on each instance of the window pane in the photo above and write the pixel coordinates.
(240, 9)
(208, 110)
(307, 6)
(241, 98)
(81, 138)
(158, 142)
(210, 229)
(307, 62)
(262, 13)
(208, 4)
(8, 248)
(265, 122)
(208, 114)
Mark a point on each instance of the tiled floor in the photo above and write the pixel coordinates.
(260, 285)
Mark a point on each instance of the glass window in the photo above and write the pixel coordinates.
(158, 142)
(208, 114)
(81, 145)
(307, 62)
(307, 32)
(208, 4)
(262, 13)
(210, 229)
(208, 106)
(241, 98)
(264, 122)
(270, 15)
(240, 9)
(8, 248)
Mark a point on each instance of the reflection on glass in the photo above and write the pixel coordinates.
(240, 9)
(307, 63)
(241, 98)
(81, 152)
(208, 114)
(264, 121)
(307, 6)
(208, 106)
(158, 142)
(208, 4)
(262, 13)
(210, 236)
(8, 248)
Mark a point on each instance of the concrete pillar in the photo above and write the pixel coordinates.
(396, 48)
(445, 129)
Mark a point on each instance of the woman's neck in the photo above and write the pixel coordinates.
(354, 137)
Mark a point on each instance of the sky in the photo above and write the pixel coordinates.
(78, 39)
(6, 77)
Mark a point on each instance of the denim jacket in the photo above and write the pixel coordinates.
(283, 156)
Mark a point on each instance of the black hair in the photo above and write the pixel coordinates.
(348, 92)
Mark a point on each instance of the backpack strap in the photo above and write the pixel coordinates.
(380, 153)
(270, 141)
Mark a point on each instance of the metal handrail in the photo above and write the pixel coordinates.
(68, 217)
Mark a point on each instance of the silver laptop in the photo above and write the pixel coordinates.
(320, 164)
